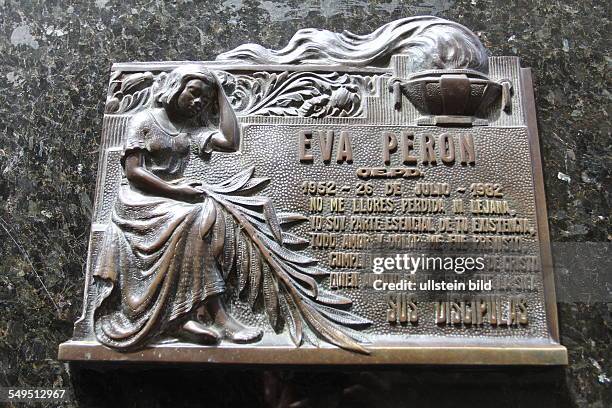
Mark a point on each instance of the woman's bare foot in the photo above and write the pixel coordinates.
(238, 333)
(196, 332)
(232, 329)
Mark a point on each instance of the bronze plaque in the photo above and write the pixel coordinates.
(348, 199)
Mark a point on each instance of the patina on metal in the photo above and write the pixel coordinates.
(348, 199)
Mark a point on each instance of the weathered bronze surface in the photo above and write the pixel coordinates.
(349, 199)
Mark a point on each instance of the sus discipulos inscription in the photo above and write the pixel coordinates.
(347, 199)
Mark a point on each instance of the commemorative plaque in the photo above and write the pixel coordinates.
(348, 199)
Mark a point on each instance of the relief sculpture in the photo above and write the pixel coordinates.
(172, 242)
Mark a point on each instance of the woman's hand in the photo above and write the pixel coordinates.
(190, 191)
(149, 183)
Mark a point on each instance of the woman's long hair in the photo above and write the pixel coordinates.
(219, 113)
(170, 86)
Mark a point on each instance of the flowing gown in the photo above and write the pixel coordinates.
(159, 256)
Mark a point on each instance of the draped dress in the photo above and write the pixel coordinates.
(159, 256)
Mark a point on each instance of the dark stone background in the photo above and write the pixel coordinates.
(55, 58)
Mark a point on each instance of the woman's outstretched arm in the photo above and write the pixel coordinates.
(149, 183)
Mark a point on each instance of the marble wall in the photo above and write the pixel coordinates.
(55, 58)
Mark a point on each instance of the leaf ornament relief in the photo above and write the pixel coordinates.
(129, 92)
(303, 94)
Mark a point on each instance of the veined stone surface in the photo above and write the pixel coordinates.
(55, 60)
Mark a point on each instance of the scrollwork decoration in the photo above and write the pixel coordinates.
(303, 94)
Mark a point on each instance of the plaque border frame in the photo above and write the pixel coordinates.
(449, 353)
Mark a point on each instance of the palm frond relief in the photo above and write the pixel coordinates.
(263, 254)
